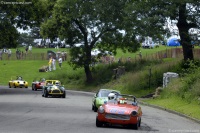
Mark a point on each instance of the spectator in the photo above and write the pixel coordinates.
(1, 53)
(60, 62)
(50, 63)
(63, 55)
(26, 49)
(54, 63)
(9, 53)
(30, 48)
(18, 54)
(22, 55)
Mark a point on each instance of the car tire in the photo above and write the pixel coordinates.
(45, 93)
(98, 123)
(139, 123)
(9, 85)
(35, 89)
(135, 126)
(63, 96)
(15, 86)
(95, 108)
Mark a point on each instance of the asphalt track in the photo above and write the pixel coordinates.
(26, 111)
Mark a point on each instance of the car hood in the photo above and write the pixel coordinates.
(19, 81)
(115, 108)
(101, 99)
(55, 89)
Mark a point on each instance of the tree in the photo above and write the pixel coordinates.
(25, 38)
(8, 35)
(18, 14)
(155, 14)
(91, 23)
(35, 32)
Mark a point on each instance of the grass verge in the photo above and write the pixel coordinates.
(175, 103)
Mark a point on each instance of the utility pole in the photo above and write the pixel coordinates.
(149, 78)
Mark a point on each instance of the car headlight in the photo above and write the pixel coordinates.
(134, 113)
(101, 110)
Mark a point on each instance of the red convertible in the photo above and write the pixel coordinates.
(120, 111)
(38, 84)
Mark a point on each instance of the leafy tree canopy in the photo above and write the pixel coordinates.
(8, 35)
(155, 14)
(99, 24)
(19, 14)
(26, 39)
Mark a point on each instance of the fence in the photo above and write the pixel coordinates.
(168, 53)
(29, 56)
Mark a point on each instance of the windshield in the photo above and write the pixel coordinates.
(54, 87)
(103, 93)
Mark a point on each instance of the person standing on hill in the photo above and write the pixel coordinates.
(30, 49)
(54, 63)
(26, 49)
(1, 53)
(60, 62)
(50, 63)
(9, 53)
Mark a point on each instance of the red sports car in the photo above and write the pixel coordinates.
(120, 111)
(38, 84)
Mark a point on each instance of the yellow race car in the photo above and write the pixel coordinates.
(18, 82)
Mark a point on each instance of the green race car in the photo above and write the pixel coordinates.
(100, 98)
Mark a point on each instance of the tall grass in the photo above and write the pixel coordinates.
(141, 82)
(182, 94)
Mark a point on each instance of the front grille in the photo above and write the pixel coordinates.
(55, 91)
(118, 116)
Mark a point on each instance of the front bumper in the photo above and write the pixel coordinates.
(56, 92)
(21, 85)
(117, 119)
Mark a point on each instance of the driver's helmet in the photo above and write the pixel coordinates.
(19, 78)
(43, 79)
(57, 83)
(111, 96)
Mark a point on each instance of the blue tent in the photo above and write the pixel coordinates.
(173, 42)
